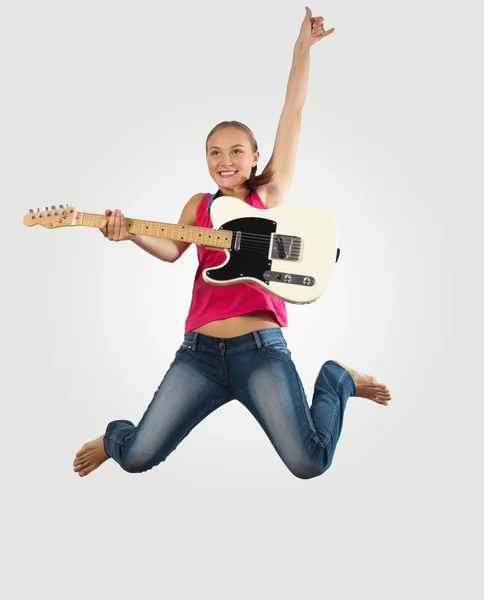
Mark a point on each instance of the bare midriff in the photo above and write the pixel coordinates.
(225, 328)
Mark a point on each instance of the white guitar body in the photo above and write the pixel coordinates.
(295, 267)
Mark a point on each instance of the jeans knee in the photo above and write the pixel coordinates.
(306, 472)
(135, 462)
(309, 470)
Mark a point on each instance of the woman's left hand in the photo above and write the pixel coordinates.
(312, 30)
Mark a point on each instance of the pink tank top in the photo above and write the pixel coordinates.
(212, 302)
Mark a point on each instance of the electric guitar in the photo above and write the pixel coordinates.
(289, 250)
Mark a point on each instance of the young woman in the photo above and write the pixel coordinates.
(233, 346)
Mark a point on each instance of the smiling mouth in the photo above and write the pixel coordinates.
(227, 174)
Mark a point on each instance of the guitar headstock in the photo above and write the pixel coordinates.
(62, 216)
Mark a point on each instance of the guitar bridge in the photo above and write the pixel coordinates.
(286, 247)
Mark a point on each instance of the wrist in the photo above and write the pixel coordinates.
(301, 47)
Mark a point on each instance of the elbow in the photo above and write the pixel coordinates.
(174, 256)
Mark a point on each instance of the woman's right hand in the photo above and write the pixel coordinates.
(114, 227)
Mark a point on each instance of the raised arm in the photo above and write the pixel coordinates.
(283, 157)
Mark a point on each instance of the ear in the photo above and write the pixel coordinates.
(256, 157)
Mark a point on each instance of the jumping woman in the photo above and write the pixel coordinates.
(233, 347)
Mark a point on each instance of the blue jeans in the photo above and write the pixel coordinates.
(256, 369)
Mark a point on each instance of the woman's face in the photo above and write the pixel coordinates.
(230, 158)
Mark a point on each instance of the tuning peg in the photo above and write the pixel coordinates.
(46, 208)
(53, 207)
(67, 205)
(38, 210)
(31, 210)
(61, 206)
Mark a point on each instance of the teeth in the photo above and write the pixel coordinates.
(226, 173)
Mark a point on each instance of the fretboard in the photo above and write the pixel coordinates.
(181, 233)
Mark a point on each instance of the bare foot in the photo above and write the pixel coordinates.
(368, 387)
(90, 456)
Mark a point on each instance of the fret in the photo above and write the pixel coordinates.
(190, 234)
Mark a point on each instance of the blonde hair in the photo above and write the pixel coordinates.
(254, 180)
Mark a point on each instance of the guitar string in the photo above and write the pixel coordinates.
(248, 241)
(167, 225)
(96, 217)
(252, 241)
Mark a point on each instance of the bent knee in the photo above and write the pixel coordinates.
(136, 462)
(308, 470)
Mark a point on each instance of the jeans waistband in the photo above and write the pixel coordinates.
(254, 339)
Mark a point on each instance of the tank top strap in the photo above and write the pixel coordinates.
(255, 200)
(210, 200)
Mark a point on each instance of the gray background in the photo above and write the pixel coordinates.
(107, 105)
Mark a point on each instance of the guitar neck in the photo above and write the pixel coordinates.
(190, 234)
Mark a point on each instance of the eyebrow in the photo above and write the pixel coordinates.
(230, 146)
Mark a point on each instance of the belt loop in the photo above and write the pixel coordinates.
(257, 339)
(194, 341)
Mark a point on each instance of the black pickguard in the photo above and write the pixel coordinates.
(252, 258)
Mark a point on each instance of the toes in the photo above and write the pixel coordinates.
(81, 466)
(79, 460)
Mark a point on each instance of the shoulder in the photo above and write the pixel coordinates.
(189, 212)
(195, 200)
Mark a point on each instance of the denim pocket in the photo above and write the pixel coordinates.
(183, 349)
(277, 348)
